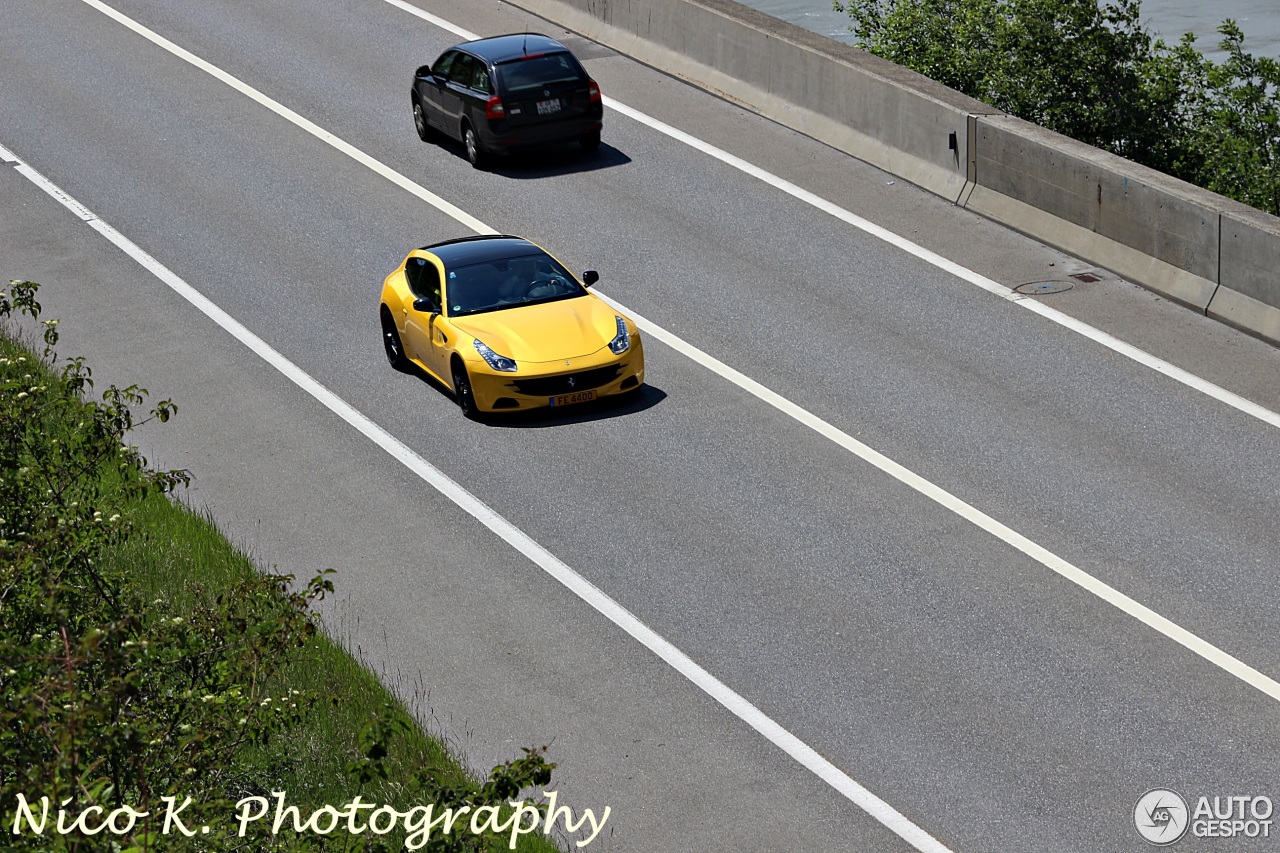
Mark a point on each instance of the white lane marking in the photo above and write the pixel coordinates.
(1097, 335)
(514, 536)
(43, 183)
(1119, 600)
(964, 273)
(935, 493)
(310, 127)
(434, 20)
(975, 516)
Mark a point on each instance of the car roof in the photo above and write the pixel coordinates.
(478, 250)
(498, 49)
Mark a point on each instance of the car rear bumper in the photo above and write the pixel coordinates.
(501, 136)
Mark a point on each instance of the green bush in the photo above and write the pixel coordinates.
(1091, 71)
(118, 703)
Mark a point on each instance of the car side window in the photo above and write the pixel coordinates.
(464, 70)
(424, 279)
(482, 83)
(444, 65)
(431, 284)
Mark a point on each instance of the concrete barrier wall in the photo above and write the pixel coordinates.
(1211, 253)
(1249, 272)
(877, 111)
(1131, 219)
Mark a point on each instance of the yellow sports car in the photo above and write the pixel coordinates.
(506, 327)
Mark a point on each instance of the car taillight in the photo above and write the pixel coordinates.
(494, 109)
(593, 91)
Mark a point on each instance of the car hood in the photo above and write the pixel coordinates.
(567, 328)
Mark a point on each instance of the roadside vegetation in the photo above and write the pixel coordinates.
(144, 658)
(1090, 70)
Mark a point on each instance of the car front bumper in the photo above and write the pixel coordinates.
(563, 382)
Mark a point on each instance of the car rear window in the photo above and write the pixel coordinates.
(537, 71)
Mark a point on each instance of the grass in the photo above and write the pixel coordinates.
(180, 556)
(179, 561)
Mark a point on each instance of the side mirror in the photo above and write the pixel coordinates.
(425, 306)
(424, 71)
(590, 277)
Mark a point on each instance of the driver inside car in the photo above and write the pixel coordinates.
(522, 273)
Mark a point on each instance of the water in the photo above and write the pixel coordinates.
(1169, 19)
(1259, 20)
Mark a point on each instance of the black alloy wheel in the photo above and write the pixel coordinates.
(462, 392)
(391, 342)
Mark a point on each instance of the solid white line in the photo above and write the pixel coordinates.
(982, 520)
(991, 286)
(310, 127)
(43, 183)
(434, 20)
(1144, 614)
(879, 232)
(971, 514)
(517, 538)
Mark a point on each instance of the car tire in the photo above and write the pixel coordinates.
(425, 132)
(391, 342)
(462, 392)
(475, 153)
(590, 143)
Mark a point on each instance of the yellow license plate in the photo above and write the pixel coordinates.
(570, 399)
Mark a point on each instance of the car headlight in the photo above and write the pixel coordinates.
(622, 341)
(497, 362)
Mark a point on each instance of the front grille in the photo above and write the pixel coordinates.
(568, 383)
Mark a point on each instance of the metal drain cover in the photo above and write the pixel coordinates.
(1085, 276)
(1042, 288)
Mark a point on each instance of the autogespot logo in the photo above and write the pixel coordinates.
(1161, 816)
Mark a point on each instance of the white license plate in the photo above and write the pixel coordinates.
(570, 399)
(548, 107)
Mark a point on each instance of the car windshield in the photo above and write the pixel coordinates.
(525, 74)
(508, 283)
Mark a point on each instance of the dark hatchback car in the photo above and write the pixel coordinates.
(506, 92)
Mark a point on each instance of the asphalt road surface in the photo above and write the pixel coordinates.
(1064, 597)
